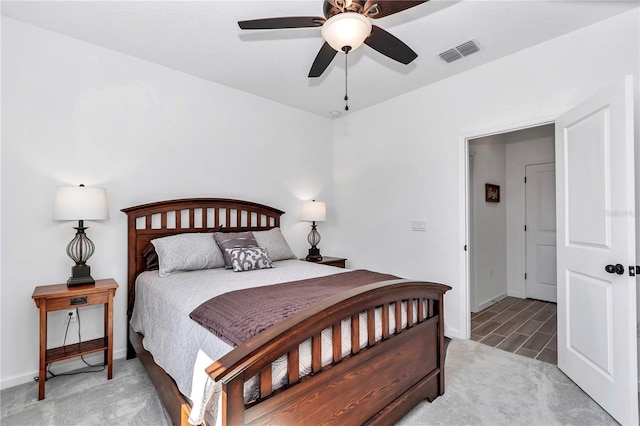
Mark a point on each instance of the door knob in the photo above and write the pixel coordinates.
(615, 269)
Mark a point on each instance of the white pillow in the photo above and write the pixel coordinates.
(187, 252)
(275, 244)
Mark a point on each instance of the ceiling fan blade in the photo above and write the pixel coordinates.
(389, 45)
(382, 8)
(322, 61)
(284, 22)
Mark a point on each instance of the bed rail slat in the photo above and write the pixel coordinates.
(316, 353)
(336, 342)
(293, 365)
(420, 310)
(371, 327)
(355, 334)
(398, 315)
(385, 321)
(265, 382)
(163, 220)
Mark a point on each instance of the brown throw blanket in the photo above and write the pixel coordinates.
(237, 316)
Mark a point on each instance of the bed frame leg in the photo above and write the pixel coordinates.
(131, 352)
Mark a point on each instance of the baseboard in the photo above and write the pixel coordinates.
(61, 367)
(492, 301)
(517, 294)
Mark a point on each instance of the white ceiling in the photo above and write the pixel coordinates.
(202, 38)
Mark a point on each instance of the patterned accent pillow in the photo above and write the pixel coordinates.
(275, 244)
(228, 240)
(249, 258)
(187, 252)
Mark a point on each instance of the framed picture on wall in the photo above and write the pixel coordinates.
(491, 193)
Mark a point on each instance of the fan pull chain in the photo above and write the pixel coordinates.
(346, 50)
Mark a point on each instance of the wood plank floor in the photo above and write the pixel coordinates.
(522, 326)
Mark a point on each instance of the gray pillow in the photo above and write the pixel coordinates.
(187, 252)
(229, 240)
(249, 258)
(275, 244)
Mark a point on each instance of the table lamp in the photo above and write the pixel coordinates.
(80, 203)
(314, 211)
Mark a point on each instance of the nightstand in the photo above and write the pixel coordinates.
(340, 262)
(56, 297)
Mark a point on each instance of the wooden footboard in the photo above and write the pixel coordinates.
(376, 384)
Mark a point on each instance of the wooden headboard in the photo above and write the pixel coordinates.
(164, 218)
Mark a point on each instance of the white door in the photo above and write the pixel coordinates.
(540, 200)
(472, 240)
(596, 201)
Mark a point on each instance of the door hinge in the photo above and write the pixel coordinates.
(525, 275)
(465, 247)
(525, 179)
(634, 270)
(525, 228)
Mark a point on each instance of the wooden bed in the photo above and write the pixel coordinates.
(376, 384)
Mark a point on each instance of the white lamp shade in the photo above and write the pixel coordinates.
(80, 203)
(314, 211)
(346, 29)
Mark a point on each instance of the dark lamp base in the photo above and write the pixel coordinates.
(314, 255)
(80, 275)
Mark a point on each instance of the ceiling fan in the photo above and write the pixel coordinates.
(345, 26)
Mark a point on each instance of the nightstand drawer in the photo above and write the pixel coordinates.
(339, 262)
(76, 301)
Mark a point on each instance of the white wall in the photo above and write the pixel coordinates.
(75, 113)
(405, 158)
(535, 145)
(490, 221)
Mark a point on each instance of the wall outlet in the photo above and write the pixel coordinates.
(73, 316)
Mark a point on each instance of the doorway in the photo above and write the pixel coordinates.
(512, 271)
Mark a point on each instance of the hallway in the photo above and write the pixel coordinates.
(522, 326)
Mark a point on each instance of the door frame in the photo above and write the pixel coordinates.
(465, 203)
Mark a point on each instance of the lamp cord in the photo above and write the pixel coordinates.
(64, 342)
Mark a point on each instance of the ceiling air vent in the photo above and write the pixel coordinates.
(465, 49)
(450, 55)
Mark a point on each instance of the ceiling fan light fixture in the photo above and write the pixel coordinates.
(346, 29)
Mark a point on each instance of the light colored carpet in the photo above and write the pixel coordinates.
(129, 398)
(484, 386)
(489, 386)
